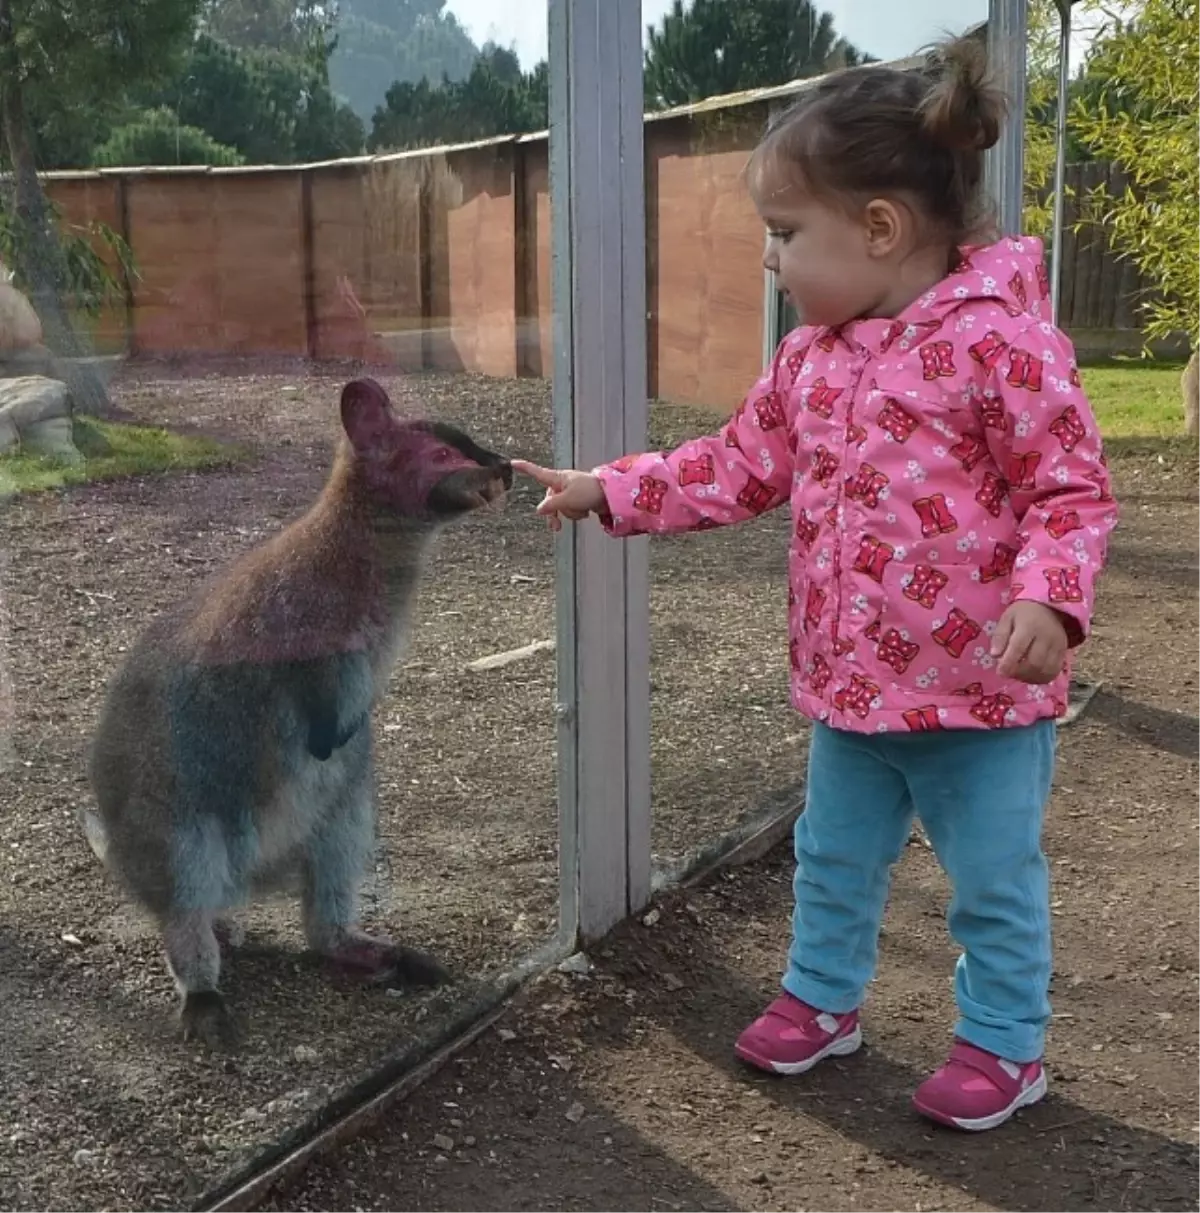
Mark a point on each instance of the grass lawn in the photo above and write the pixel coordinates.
(111, 450)
(1136, 399)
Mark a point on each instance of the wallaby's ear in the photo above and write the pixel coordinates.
(367, 415)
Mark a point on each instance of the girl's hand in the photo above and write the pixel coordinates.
(1031, 643)
(569, 494)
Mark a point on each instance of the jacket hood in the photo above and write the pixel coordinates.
(1012, 271)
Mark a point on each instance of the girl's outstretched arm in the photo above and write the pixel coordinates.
(743, 470)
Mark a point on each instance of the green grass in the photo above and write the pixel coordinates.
(1136, 399)
(113, 450)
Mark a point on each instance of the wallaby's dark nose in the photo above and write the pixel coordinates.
(506, 474)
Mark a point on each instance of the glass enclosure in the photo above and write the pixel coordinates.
(267, 639)
(369, 230)
(728, 752)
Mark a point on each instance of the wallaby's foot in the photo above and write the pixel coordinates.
(205, 1018)
(378, 960)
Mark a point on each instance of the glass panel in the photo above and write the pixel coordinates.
(233, 747)
(727, 746)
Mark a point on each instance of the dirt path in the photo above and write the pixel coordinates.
(618, 1091)
(100, 1105)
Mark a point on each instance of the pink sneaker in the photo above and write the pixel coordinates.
(977, 1090)
(790, 1037)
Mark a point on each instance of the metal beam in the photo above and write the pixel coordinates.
(1060, 152)
(1005, 167)
(597, 195)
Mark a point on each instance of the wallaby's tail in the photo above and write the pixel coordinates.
(95, 832)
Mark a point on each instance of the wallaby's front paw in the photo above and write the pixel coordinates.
(205, 1018)
(381, 962)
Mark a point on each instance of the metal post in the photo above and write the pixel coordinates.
(597, 194)
(771, 325)
(1060, 152)
(771, 301)
(1005, 169)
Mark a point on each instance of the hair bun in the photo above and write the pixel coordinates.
(963, 109)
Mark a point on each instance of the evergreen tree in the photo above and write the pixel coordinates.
(711, 47)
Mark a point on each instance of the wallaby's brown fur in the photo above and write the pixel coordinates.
(234, 749)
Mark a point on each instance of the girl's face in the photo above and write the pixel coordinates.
(838, 264)
(824, 260)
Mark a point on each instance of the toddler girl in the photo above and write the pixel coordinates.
(951, 512)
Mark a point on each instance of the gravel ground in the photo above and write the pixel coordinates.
(100, 1106)
(617, 1090)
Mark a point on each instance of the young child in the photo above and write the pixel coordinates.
(952, 510)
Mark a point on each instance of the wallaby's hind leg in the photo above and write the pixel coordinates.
(336, 859)
(230, 934)
(194, 957)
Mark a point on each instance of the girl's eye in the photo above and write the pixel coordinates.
(781, 234)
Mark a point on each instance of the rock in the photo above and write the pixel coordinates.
(38, 412)
(578, 963)
(1080, 693)
(575, 1113)
(443, 1142)
(20, 327)
(304, 1053)
(37, 360)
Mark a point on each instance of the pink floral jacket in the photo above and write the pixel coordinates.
(939, 466)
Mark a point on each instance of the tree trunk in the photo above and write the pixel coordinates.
(1191, 395)
(39, 255)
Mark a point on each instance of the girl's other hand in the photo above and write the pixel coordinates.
(569, 494)
(1030, 643)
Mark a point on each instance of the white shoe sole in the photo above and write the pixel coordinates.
(842, 1047)
(1032, 1094)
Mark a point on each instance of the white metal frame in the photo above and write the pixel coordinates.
(1007, 36)
(600, 411)
(597, 193)
(1060, 150)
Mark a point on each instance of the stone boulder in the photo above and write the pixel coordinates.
(35, 417)
(20, 328)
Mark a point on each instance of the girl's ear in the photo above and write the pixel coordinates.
(884, 222)
(367, 415)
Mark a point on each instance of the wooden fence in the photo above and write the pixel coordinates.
(1100, 292)
(441, 259)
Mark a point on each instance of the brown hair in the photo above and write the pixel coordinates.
(874, 131)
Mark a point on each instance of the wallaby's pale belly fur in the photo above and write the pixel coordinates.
(288, 792)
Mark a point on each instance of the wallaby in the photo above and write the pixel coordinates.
(233, 750)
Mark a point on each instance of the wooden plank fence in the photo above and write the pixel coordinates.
(441, 259)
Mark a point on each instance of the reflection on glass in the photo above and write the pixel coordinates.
(726, 743)
(274, 221)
